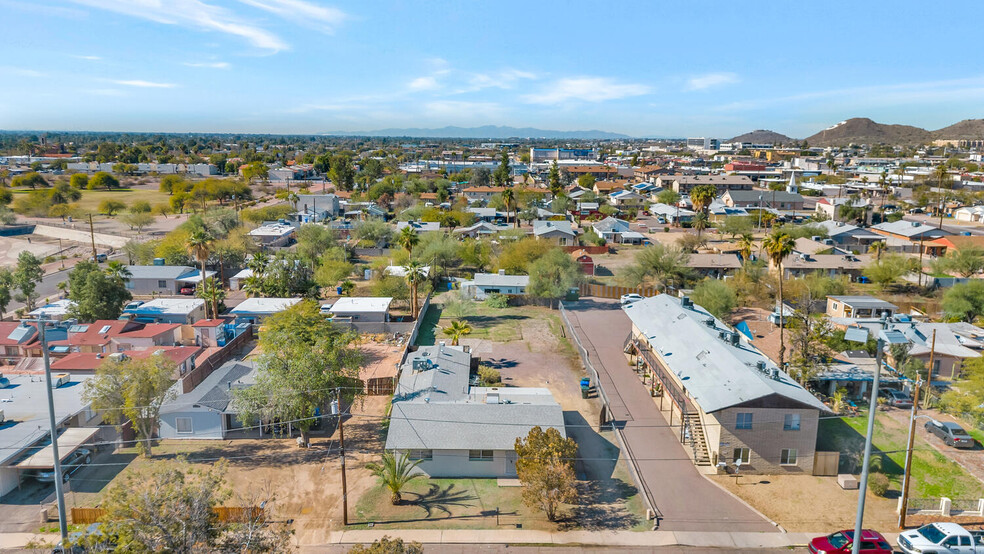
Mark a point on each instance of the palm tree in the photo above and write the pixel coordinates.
(941, 175)
(252, 286)
(778, 245)
(212, 293)
(408, 239)
(395, 473)
(883, 184)
(699, 222)
(415, 275)
(293, 198)
(701, 196)
(258, 263)
(200, 246)
(877, 247)
(117, 271)
(509, 198)
(745, 246)
(456, 330)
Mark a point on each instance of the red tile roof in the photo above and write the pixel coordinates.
(208, 323)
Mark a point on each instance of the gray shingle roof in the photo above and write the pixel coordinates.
(158, 271)
(214, 391)
(716, 374)
(455, 426)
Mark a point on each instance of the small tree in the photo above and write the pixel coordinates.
(395, 472)
(387, 545)
(715, 296)
(132, 389)
(545, 467)
(26, 277)
(456, 330)
(110, 207)
(554, 274)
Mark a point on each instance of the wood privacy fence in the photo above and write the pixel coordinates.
(826, 463)
(226, 514)
(609, 291)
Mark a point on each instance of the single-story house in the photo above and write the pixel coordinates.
(558, 232)
(716, 266)
(273, 234)
(955, 243)
(57, 310)
(419, 226)
(484, 194)
(490, 215)
(801, 264)
(458, 430)
(610, 228)
(845, 234)
(626, 199)
(206, 411)
(168, 310)
(255, 310)
(913, 232)
(485, 284)
(859, 307)
(672, 214)
(324, 205)
(948, 351)
(777, 200)
(237, 280)
(162, 279)
(365, 309)
(480, 229)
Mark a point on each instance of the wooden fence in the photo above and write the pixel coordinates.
(609, 291)
(826, 463)
(593, 250)
(226, 514)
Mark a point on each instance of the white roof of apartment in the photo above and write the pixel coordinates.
(169, 306)
(910, 229)
(717, 375)
(362, 304)
(159, 271)
(25, 407)
(272, 230)
(264, 305)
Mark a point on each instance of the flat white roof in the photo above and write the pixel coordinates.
(264, 305)
(272, 230)
(400, 271)
(168, 306)
(56, 308)
(362, 304)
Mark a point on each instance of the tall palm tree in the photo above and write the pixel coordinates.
(699, 222)
(883, 185)
(777, 246)
(745, 246)
(408, 239)
(456, 330)
(941, 174)
(258, 263)
(415, 275)
(701, 196)
(118, 271)
(200, 246)
(395, 473)
(212, 293)
(509, 199)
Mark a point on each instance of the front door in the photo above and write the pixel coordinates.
(511, 463)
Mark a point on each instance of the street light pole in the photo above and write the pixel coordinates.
(341, 450)
(906, 477)
(53, 430)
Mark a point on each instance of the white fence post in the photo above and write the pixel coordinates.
(945, 504)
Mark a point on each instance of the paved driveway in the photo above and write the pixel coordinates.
(686, 500)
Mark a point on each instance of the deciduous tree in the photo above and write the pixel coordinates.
(545, 467)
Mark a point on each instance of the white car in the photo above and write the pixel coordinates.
(325, 309)
(630, 298)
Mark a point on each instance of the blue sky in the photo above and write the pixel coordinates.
(641, 68)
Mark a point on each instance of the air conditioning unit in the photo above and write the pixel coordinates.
(60, 379)
(760, 365)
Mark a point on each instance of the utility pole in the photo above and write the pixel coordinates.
(929, 372)
(53, 430)
(341, 450)
(866, 463)
(92, 237)
(906, 477)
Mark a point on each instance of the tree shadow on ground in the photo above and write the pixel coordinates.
(487, 319)
(441, 500)
(601, 507)
(602, 271)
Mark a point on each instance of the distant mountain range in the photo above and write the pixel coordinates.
(485, 131)
(762, 136)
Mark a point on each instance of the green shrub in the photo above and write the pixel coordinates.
(489, 376)
(878, 483)
(496, 300)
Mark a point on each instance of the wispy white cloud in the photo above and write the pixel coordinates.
(105, 91)
(210, 65)
(504, 79)
(325, 17)
(428, 82)
(21, 72)
(585, 89)
(710, 80)
(193, 14)
(144, 84)
(88, 58)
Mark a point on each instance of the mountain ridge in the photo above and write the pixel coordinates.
(762, 136)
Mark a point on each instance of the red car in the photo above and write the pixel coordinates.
(187, 291)
(872, 542)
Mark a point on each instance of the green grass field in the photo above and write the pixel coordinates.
(91, 198)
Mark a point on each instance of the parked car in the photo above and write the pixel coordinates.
(72, 463)
(187, 291)
(98, 258)
(630, 298)
(941, 538)
(661, 219)
(841, 542)
(951, 433)
(325, 309)
(896, 398)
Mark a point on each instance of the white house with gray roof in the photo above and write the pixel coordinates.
(460, 430)
(162, 279)
(206, 412)
(485, 284)
(557, 232)
(728, 400)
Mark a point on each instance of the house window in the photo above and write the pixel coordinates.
(161, 284)
(743, 421)
(742, 454)
(791, 422)
(834, 305)
(183, 425)
(787, 457)
(421, 455)
(479, 455)
(128, 284)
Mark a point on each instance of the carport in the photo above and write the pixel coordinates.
(69, 441)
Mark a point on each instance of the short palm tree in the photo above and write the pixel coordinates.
(252, 286)
(699, 222)
(415, 275)
(395, 473)
(456, 330)
(408, 239)
(777, 246)
(118, 271)
(745, 246)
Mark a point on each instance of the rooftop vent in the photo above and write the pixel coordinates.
(735, 339)
(760, 365)
(709, 322)
(686, 302)
(774, 374)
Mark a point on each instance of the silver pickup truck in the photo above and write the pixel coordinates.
(942, 538)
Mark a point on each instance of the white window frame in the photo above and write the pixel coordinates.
(744, 452)
(162, 283)
(420, 454)
(481, 455)
(788, 453)
(177, 425)
(791, 422)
